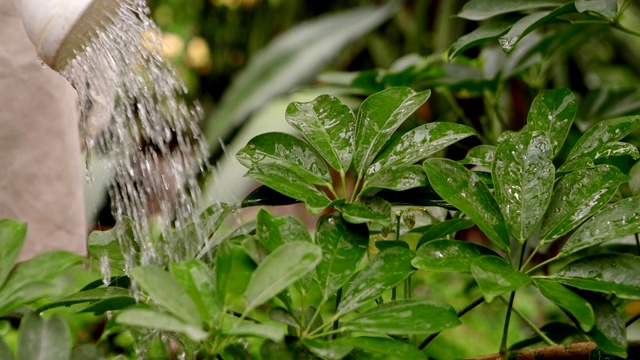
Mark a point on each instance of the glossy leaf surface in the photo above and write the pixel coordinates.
(577, 196)
(393, 349)
(463, 189)
(384, 271)
(367, 209)
(43, 339)
(481, 155)
(609, 332)
(569, 301)
(269, 331)
(523, 177)
(412, 317)
(288, 151)
(442, 229)
(331, 350)
(599, 140)
(274, 231)
(233, 271)
(576, 164)
(157, 320)
(197, 280)
(379, 117)
(329, 126)
(449, 255)
(488, 31)
(606, 8)
(552, 112)
(614, 221)
(495, 276)
(343, 246)
(283, 267)
(396, 178)
(12, 235)
(484, 9)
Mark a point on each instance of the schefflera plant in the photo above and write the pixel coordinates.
(534, 203)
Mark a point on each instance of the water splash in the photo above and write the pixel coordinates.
(133, 110)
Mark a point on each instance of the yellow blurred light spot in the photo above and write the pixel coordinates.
(172, 45)
(198, 55)
(152, 40)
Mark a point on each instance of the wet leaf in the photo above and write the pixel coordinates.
(488, 31)
(87, 296)
(597, 142)
(383, 272)
(404, 317)
(417, 144)
(288, 151)
(12, 235)
(396, 178)
(605, 273)
(289, 183)
(274, 231)
(105, 244)
(463, 189)
(372, 208)
(606, 8)
(266, 196)
(634, 183)
(577, 164)
(388, 244)
(233, 271)
(523, 177)
(577, 196)
(331, 350)
(481, 155)
(553, 112)
(343, 247)
(283, 267)
(329, 126)
(379, 117)
(197, 280)
(157, 320)
(568, 301)
(614, 221)
(449, 255)
(442, 229)
(109, 304)
(271, 331)
(484, 9)
(495, 276)
(609, 332)
(392, 349)
(43, 339)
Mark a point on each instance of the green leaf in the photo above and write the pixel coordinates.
(417, 144)
(283, 267)
(495, 276)
(577, 196)
(392, 349)
(609, 332)
(379, 117)
(634, 183)
(404, 317)
(5, 350)
(605, 273)
(387, 244)
(485, 9)
(289, 183)
(606, 8)
(523, 177)
(568, 301)
(329, 126)
(12, 235)
(463, 189)
(382, 273)
(265, 196)
(372, 208)
(396, 178)
(597, 142)
(271, 331)
(109, 304)
(449, 255)
(481, 155)
(343, 246)
(196, 279)
(233, 271)
(288, 151)
(330, 350)
(105, 244)
(41, 339)
(553, 112)
(166, 291)
(87, 296)
(577, 164)
(25, 294)
(306, 48)
(614, 221)
(156, 320)
(529, 23)
(274, 231)
(442, 229)
(488, 31)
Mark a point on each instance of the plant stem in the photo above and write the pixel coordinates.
(533, 253)
(355, 196)
(632, 320)
(531, 325)
(505, 329)
(546, 262)
(315, 315)
(330, 332)
(638, 241)
(336, 323)
(461, 313)
(343, 179)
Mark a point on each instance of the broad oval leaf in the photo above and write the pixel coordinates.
(495, 276)
(272, 331)
(596, 142)
(391, 348)
(606, 8)
(288, 151)
(481, 155)
(523, 177)
(12, 235)
(283, 267)
(449, 255)
(396, 178)
(404, 317)
(442, 229)
(465, 190)
(379, 117)
(577, 164)
(609, 332)
(418, 143)
(274, 231)
(157, 320)
(568, 301)
(343, 246)
(372, 208)
(197, 280)
(91, 295)
(289, 183)
(614, 221)
(577, 196)
(166, 291)
(484, 9)
(553, 112)
(234, 268)
(43, 339)
(605, 273)
(329, 126)
(383, 272)
(25, 294)
(330, 350)
(488, 31)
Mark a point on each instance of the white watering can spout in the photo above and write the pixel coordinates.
(58, 28)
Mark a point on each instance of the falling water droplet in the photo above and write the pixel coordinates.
(507, 43)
